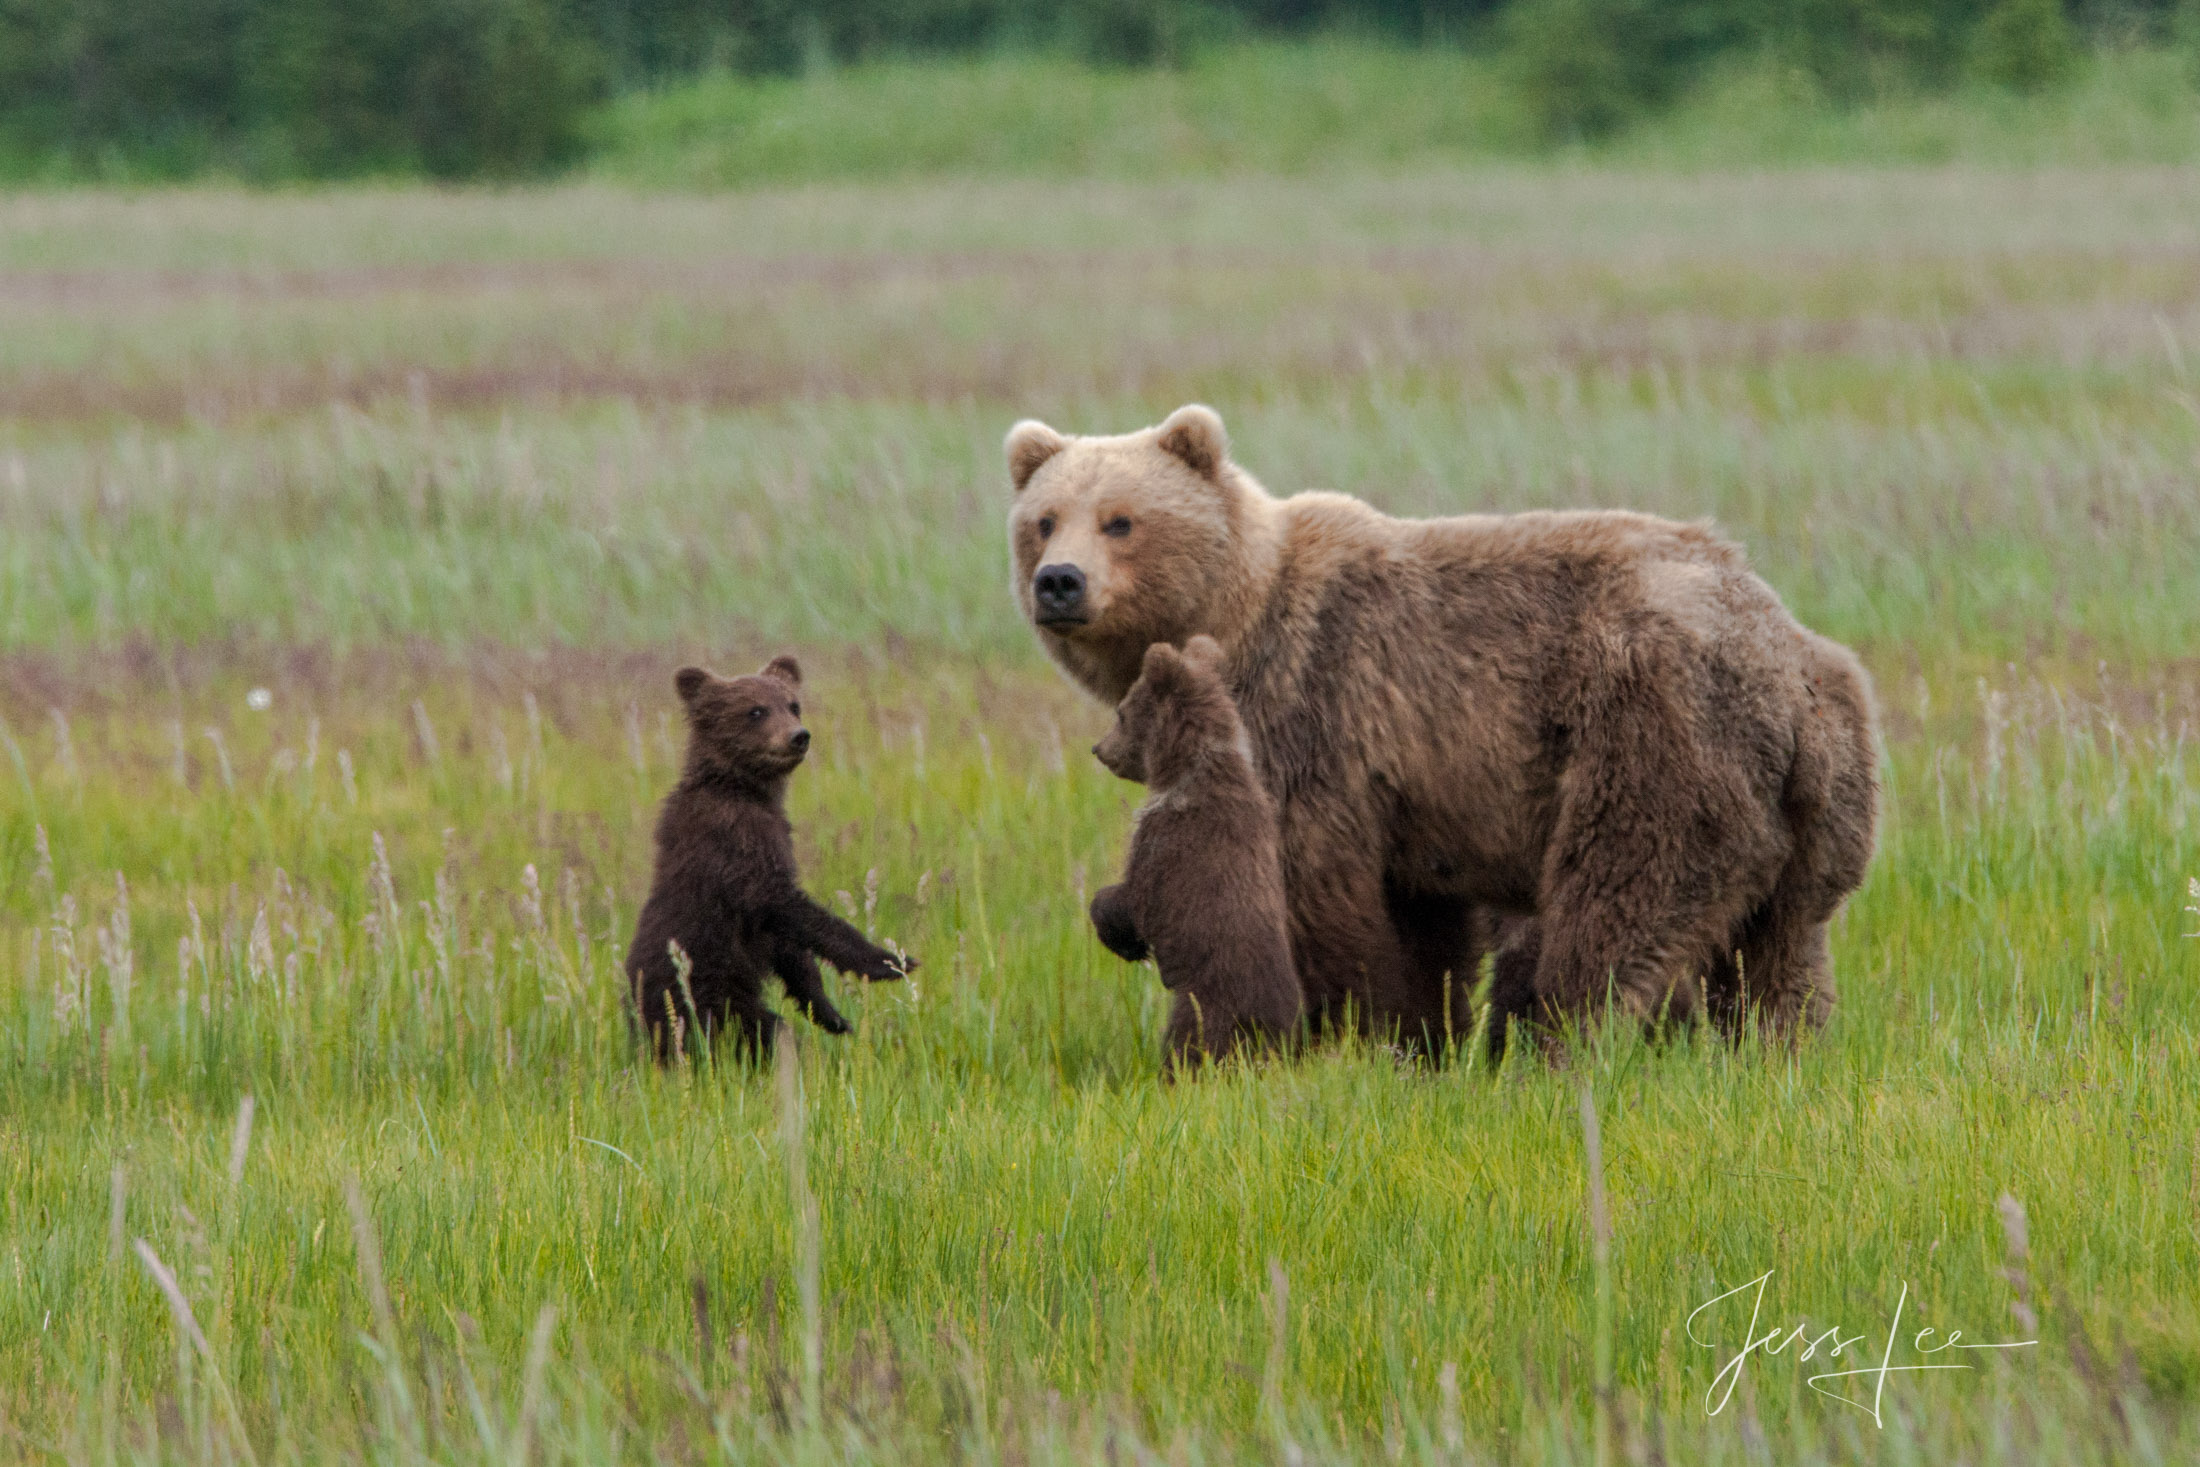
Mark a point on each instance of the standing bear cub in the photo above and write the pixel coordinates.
(725, 887)
(1203, 890)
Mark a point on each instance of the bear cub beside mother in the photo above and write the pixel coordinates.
(1596, 719)
(1202, 892)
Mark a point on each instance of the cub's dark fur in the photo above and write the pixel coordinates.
(1203, 890)
(725, 886)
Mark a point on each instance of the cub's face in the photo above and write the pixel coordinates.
(1117, 543)
(1123, 750)
(1178, 708)
(746, 726)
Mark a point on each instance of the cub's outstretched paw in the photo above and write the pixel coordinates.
(887, 967)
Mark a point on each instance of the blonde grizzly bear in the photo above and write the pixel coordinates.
(1202, 892)
(1597, 719)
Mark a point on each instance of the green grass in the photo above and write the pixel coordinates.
(459, 478)
(1339, 106)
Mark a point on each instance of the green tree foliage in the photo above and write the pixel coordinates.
(1859, 47)
(157, 76)
(1586, 66)
(453, 87)
(462, 88)
(2026, 45)
(447, 87)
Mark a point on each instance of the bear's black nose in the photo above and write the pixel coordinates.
(801, 740)
(1059, 593)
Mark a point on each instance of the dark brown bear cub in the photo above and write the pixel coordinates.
(725, 887)
(1203, 890)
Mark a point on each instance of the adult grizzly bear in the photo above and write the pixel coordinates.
(1599, 719)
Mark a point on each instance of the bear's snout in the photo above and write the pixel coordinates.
(1058, 594)
(800, 743)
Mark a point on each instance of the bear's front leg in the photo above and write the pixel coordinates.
(1349, 953)
(1443, 937)
(1113, 923)
(806, 988)
(1198, 1030)
(802, 923)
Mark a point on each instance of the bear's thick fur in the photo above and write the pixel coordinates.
(1203, 888)
(725, 886)
(1598, 719)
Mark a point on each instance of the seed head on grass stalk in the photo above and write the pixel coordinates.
(383, 1344)
(1279, 1349)
(221, 758)
(118, 1207)
(119, 956)
(2016, 1232)
(792, 1125)
(189, 1326)
(682, 967)
(65, 748)
(1600, 1252)
(240, 1143)
(530, 1399)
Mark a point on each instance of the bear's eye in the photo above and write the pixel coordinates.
(1046, 526)
(795, 709)
(755, 714)
(1116, 528)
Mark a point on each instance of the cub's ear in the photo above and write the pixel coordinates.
(1203, 654)
(785, 668)
(1028, 445)
(1161, 666)
(690, 681)
(1194, 433)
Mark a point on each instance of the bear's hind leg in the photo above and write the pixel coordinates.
(1512, 986)
(1660, 848)
(1782, 970)
(1636, 934)
(755, 1031)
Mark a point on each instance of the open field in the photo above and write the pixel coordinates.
(459, 478)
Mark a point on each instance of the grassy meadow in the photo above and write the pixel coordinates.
(348, 542)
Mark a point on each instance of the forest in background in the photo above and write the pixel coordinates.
(273, 90)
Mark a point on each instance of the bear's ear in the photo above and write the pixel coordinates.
(1161, 666)
(1028, 445)
(785, 668)
(690, 681)
(1203, 654)
(1194, 433)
